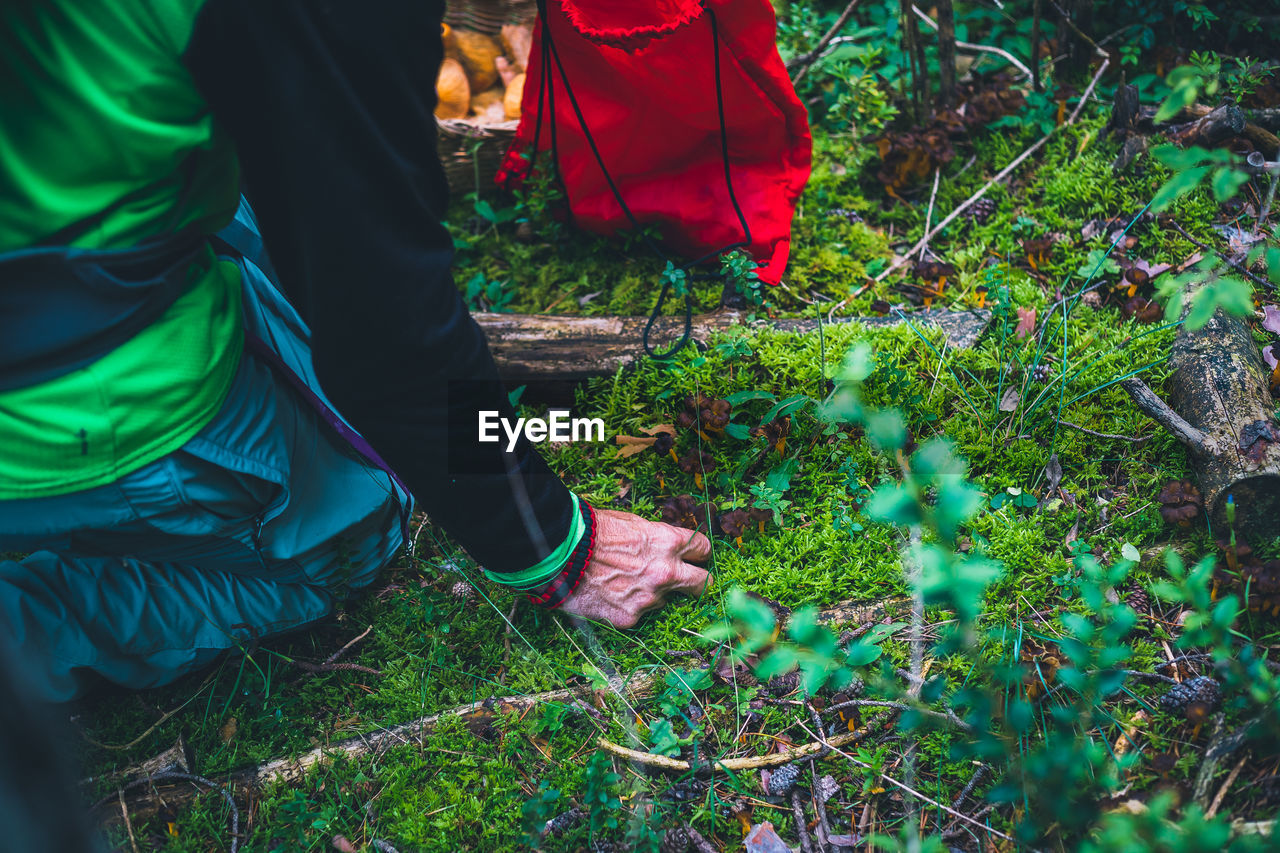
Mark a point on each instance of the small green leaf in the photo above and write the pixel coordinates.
(485, 211)
(737, 398)
(1130, 553)
(1226, 182)
(893, 504)
(887, 429)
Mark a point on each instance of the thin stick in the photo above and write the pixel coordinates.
(1146, 400)
(899, 706)
(802, 825)
(1238, 267)
(915, 793)
(968, 788)
(757, 762)
(128, 824)
(1000, 176)
(342, 651)
(965, 205)
(1222, 792)
(928, 214)
(317, 668)
(802, 63)
(979, 48)
(158, 723)
(1087, 431)
(1084, 99)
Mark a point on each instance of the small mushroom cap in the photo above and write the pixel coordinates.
(735, 523)
(680, 511)
(697, 462)
(662, 443)
(1180, 502)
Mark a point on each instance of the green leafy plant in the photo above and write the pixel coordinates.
(599, 793)
(481, 294)
(535, 812)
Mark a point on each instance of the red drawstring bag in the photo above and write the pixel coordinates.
(640, 102)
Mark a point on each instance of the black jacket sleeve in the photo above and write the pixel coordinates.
(330, 105)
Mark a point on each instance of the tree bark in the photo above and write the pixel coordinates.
(1220, 408)
(558, 347)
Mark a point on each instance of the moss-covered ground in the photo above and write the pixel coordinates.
(464, 786)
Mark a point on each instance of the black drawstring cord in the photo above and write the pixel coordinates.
(547, 85)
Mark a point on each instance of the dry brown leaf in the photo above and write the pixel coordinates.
(228, 730)
(1026, 324)
(654, 430)
(630, 445)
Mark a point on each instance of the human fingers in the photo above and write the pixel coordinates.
(695, 548)
(687, 578)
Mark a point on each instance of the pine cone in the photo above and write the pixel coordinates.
(1194, 699)
(782, 685)
(783, 780)
(1139, 600)
(464, 591)
(980, 211)
(676, 840)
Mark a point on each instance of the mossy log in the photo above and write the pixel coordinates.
(1220, 408)
(559, 347)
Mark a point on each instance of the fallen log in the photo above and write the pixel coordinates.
(1196, 125)
(1220, 408)
(560, 347)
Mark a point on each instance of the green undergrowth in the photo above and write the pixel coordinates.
(479, 783)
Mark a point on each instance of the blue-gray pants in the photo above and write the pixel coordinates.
(255, 526)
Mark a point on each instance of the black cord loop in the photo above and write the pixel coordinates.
(547, 88)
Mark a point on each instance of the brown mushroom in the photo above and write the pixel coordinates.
(1180, 502)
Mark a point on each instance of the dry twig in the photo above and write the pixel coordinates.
(914, 792)
(977, 48)
(1235, 265)
(1000, 176)
(1108, 435)
(128, 824)
(802, 824)
(754, 762)
(1222, 792)
(802, 63)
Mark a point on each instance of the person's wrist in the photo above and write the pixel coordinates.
(564, 584)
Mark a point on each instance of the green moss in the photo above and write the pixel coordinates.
(458, 790)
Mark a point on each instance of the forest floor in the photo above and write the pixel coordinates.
(1065, 463)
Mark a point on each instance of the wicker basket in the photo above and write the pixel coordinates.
(469, 148)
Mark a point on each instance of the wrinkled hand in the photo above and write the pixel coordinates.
(636, 565)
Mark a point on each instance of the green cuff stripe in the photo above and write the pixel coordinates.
(551, 565)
